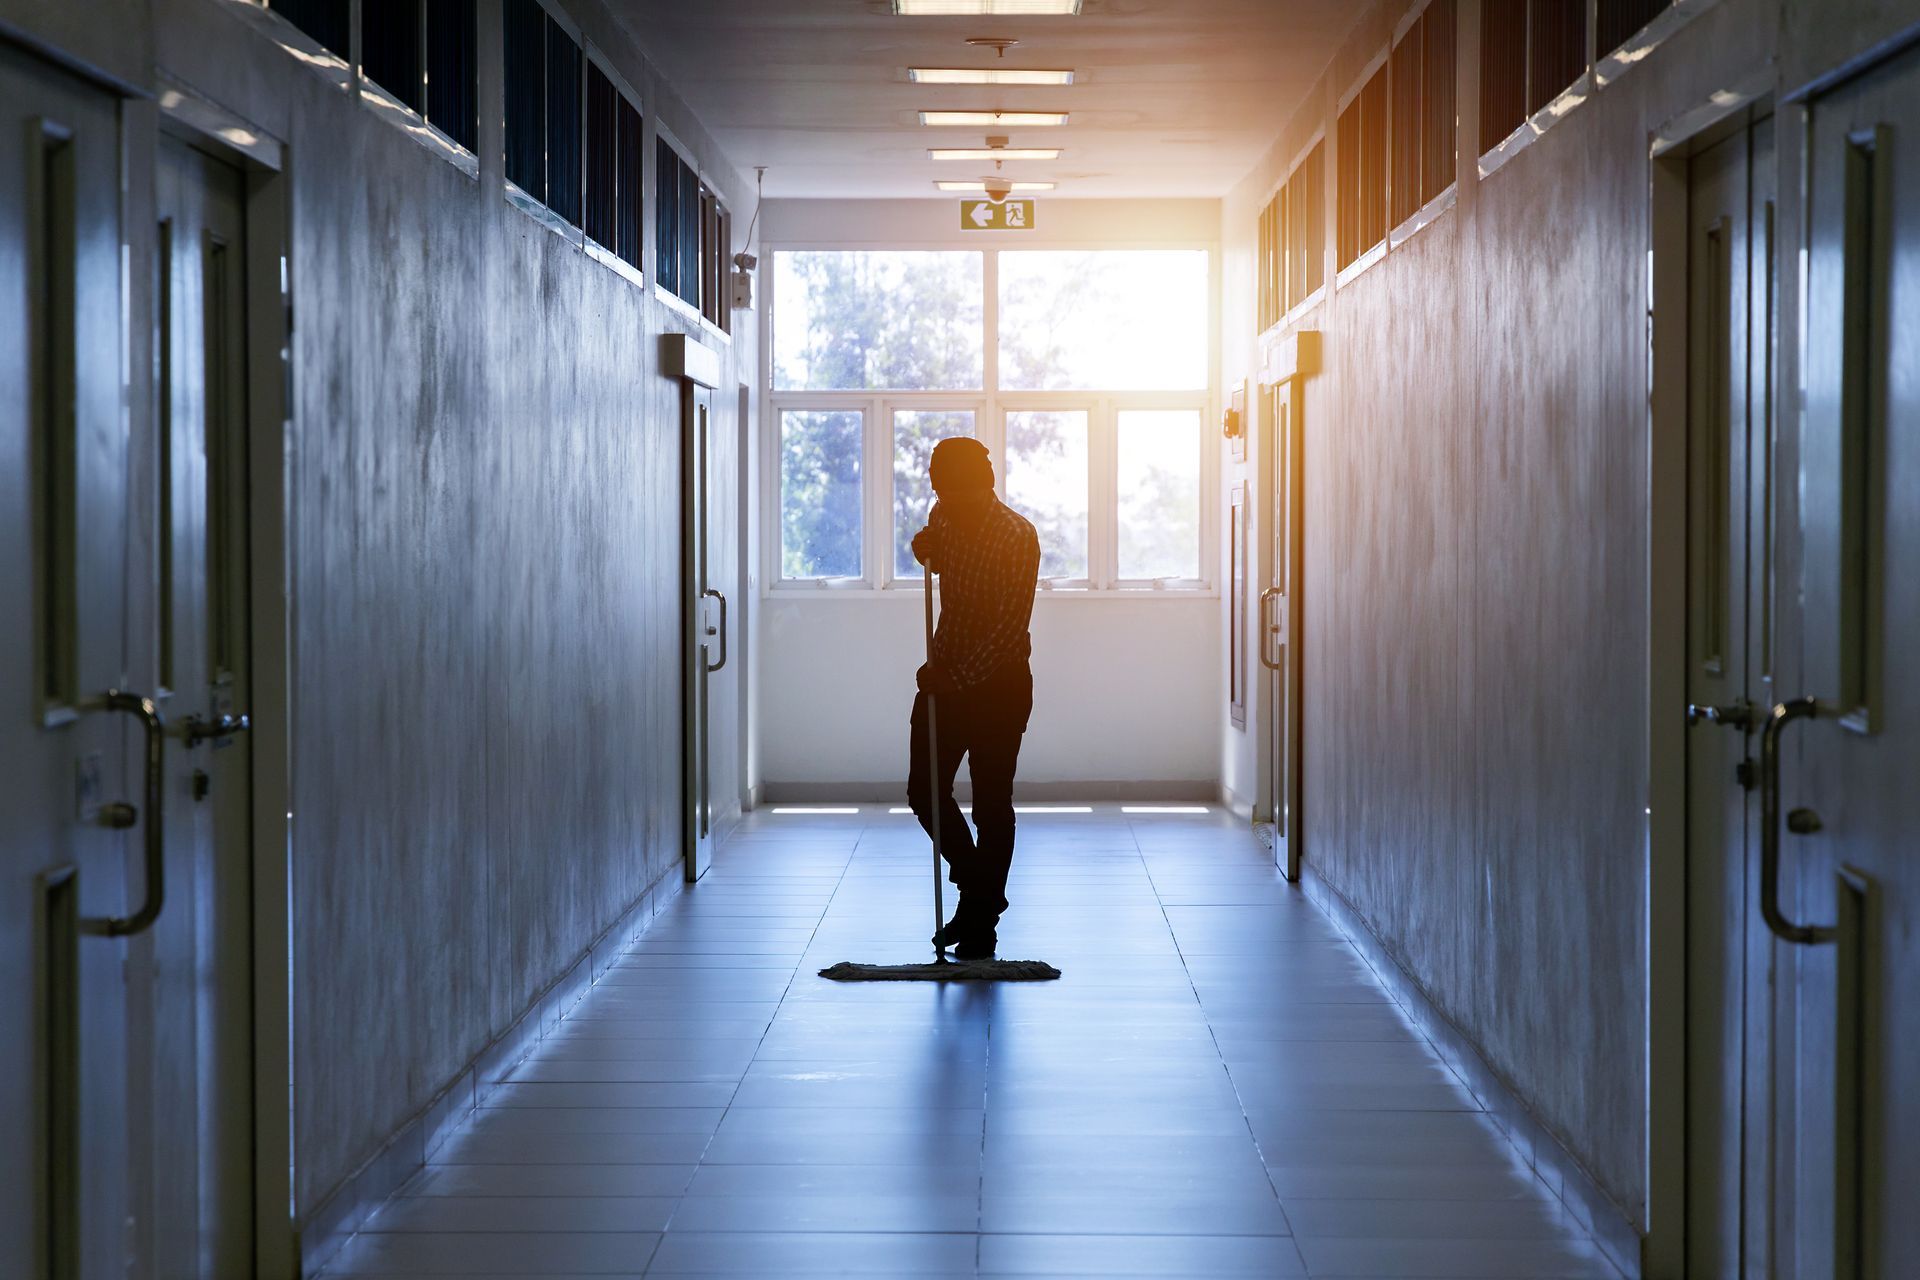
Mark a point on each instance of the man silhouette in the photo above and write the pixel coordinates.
(988, 559)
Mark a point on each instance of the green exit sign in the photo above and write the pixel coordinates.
(985, 215)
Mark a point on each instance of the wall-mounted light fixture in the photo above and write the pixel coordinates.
(979, 186)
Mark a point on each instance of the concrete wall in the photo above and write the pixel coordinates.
(826, 726)
(1476, 601)
(483, 551)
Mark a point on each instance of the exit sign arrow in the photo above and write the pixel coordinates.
(985, 215)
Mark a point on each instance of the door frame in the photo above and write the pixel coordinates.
(1287, 362)
(261, 159)
(696, 368)
(1670, 150)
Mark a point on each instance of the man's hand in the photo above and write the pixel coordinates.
(923, 547)
(933, 679)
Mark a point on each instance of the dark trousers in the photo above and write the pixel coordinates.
(984, 724)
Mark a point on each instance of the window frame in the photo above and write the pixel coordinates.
(657, 134)
(990, 405)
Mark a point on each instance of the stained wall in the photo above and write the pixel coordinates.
(482, 551)
(1476, 625)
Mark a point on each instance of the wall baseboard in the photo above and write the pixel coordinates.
(1556, 1167)
(346, 1208)
(894, 791)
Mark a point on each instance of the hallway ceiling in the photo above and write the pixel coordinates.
(1171, 97)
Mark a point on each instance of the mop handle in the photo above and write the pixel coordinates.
(933, 786)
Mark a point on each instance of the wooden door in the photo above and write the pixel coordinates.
(76, 811)
(1729, 430)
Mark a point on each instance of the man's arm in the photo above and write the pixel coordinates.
(1004, 632)
(926, 543)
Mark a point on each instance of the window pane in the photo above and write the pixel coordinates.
(1047, 483)
(1106, 320)
(1159, 480)
(820, 493)
(880, 320)
(390, 47)
(915, 432)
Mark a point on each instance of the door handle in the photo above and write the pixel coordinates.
(1741, 715)
(194, 730)
(1802, 822)
(1268, 629)
(156, 864)
(721, 631)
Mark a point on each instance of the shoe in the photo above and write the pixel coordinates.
(976, 946)
(950, 932)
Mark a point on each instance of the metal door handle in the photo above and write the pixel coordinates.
(1267, 629)
(194, 730)
(156, 864)
(1741, 715)
(710, 593)
(1804, 820)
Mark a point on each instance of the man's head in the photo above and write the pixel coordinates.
(962, 472)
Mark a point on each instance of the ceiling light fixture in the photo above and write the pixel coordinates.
(985, 75)
(981, 185)
(993, 153)
(976, 8)
(994, 119)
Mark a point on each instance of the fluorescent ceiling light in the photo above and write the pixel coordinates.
(1053, 808)
(1163, 808)
(1002, 8)
(981, 186)
(989, 119)
(993, 153)
(791, 809)
(985, 75)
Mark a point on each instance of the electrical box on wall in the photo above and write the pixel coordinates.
(742, 280)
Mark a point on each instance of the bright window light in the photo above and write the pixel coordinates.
(1158, 462)
(1164, 808)
(812, 809)
(992, 119)
(991, 8)
(1103, 319)
(981, 186)
(985, 75)
(1053, 808)
(993, 153)
(1046, 481)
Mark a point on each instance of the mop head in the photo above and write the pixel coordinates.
(951, 971)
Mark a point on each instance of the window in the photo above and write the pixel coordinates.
(716, 245)
(878, 319)
(1423, 110)
(1620, 20)
(544, 107)
(1362, 193)
(1096, 423)
(820, 526)
(1293, 240)
(422, 53)
(1157, 453)
(1530, 52)
(1046, 482)
(915, 433)
(614, 183)
(1120, 320)
(329, 22)
(687, 226)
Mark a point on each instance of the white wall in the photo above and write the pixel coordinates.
(1125, 691)
(1127, 687)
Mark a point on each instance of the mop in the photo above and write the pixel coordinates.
(941, 969)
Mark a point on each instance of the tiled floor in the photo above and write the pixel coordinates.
(1217, 1087)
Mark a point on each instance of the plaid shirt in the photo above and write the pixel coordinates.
(987, 579)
